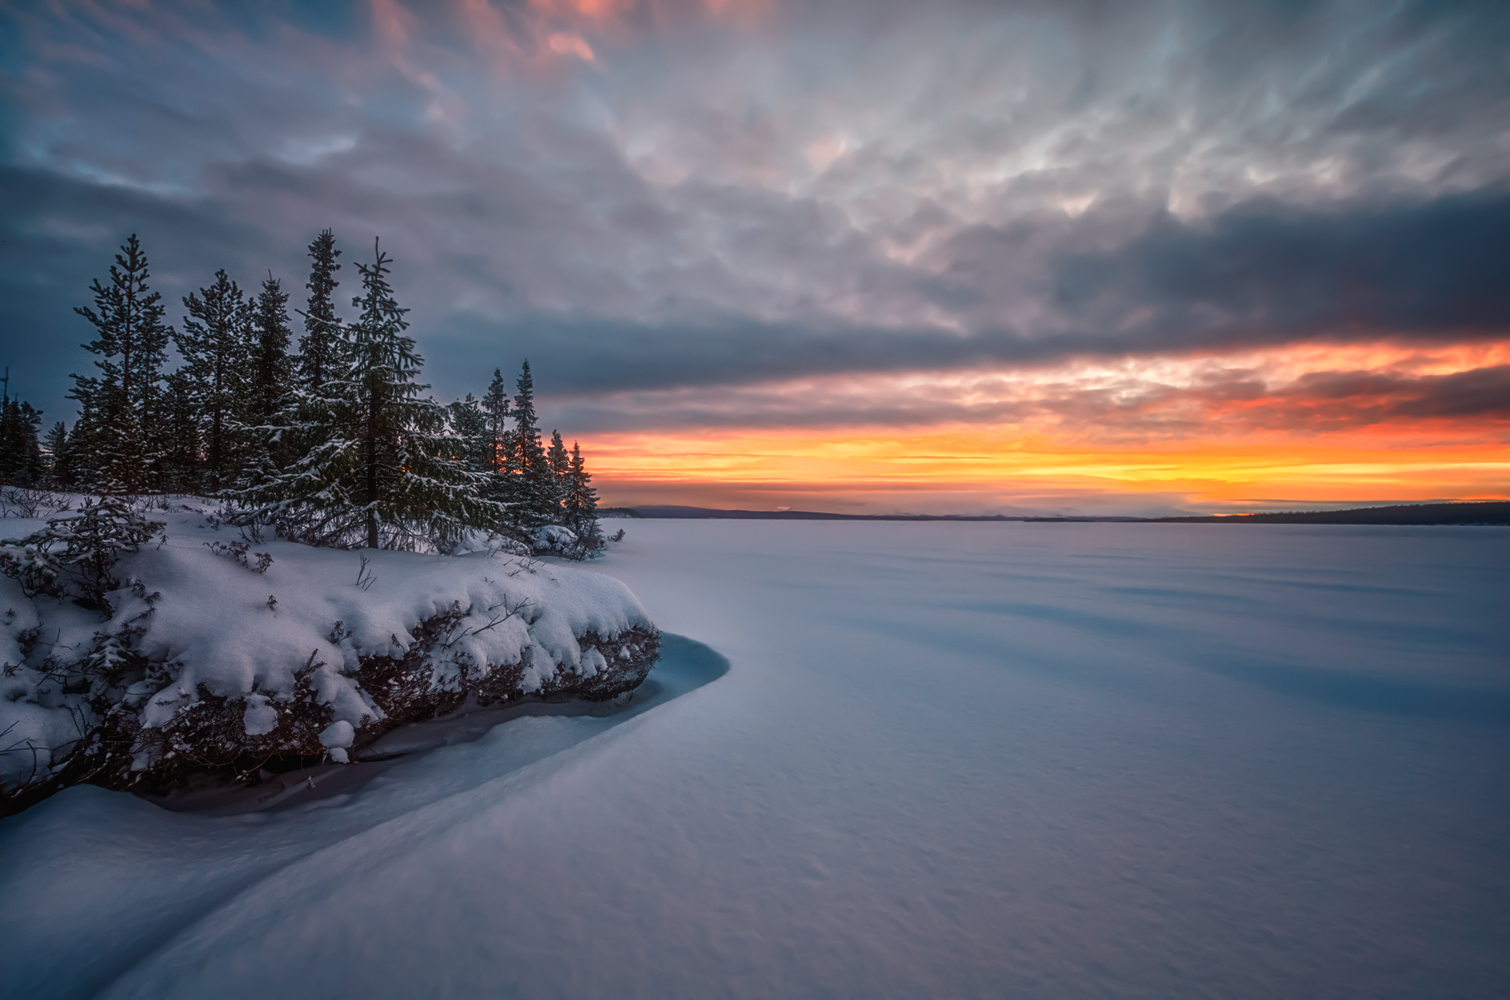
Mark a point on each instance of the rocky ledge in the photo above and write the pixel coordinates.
(244, 656)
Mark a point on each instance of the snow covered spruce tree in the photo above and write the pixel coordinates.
(378, 467)
(75, 555)
(180, 435)
(55, 448)
(532, 491)
(216, 345)
(498, 439)
(20, 450)
(268, 386)
(580, 507)
(321, 346)
(115, 438)
(539, 488)
(272, 368)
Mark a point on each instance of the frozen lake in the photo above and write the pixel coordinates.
(946, 759)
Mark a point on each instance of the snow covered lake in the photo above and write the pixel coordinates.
(888, 759)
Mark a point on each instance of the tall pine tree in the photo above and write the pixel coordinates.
(20, 450)
(498, 439)
(378, 466)
(533, 490)
(117, 405)
(560, 466)
(272, 367)
(55, 445)
(269, 385)
(580, 505)
(320, 347)
(216, 345)
(181, 454)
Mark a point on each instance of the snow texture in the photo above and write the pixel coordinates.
(946, 760)
(220, 626)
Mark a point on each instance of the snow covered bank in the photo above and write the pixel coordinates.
(109, 878)
(228, 652)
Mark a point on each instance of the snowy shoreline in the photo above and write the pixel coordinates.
(238, 654)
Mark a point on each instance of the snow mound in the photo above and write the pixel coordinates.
(225, 649)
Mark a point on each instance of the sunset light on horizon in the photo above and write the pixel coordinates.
(1312, 426)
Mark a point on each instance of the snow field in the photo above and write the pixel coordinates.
(946, 760)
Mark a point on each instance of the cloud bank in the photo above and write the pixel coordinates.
(795, 208)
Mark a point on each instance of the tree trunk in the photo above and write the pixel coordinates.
(372, 528)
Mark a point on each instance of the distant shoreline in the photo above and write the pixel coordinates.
(1482, 513)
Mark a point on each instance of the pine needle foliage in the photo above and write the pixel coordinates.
(380, 467)
(337, 446)
(118, 403)
(216, 345)
(75, 554)
(320, 347)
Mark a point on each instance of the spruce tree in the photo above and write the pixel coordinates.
(378, 466)
(181, 455)
(495, 409)
(217, 353)
(81, 459)
(533, 493)
(560, 466)
(272, 367)
(581, 505)
(20, 450)
(117, 405)
(269, 385)
(56, 447)
(466, 429)
(320, 347)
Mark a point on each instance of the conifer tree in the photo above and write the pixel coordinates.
(378, 469)
(495, 409)
(20, 451)
(272, 367)
(466, 426)
(56, 446)
(81, 460)
(581, 505)
(560, 466)
(118, 403)
(182, 442)
(320, 347)
(217, 352)
(534, 496)
(269, 385)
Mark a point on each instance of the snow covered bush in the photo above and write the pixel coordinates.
(74, 555)
(196, 654)
(554, 539)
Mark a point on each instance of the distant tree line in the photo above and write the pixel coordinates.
(333, 445)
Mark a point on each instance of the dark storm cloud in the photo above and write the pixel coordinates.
(662, 198)
(1222, 401)
(1433, 269)
(1315, 402)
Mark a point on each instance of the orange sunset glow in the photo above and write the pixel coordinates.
(1309, 424)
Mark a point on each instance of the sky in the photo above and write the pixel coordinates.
(954, 257)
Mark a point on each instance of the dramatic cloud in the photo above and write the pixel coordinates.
(667, 204)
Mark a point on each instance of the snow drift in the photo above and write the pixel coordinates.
(230, 652)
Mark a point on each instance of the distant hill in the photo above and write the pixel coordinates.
(1483, 512)
(1487, 512)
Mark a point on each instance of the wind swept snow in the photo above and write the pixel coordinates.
(947, 759)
